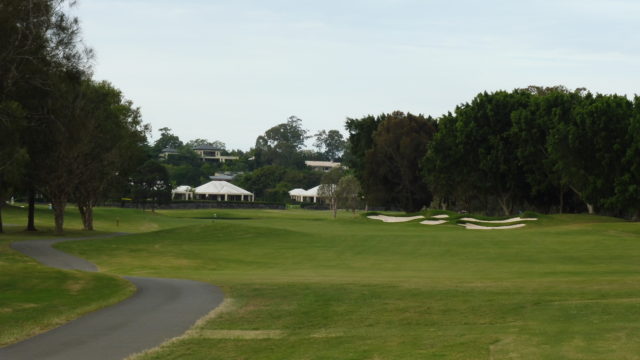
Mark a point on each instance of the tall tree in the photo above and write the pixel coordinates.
(117, 135)
(393, 165)
(348, 192)
(328, 189)
(331, 143)
(588, 149)
(166, 140)
(281, 144)
(359, 142)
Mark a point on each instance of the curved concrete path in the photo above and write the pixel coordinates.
(159, 310)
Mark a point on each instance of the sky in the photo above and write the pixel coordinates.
(229, 70)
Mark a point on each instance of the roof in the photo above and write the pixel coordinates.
(297, 192)
(221, 188)
(169, 150)
(312, 191)
(182, 189)
(322, 163)
(206, 147)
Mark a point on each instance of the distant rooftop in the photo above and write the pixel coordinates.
(169, 150)
(329, 164)
(206, 147)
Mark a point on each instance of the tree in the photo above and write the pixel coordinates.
(393, 165)
(151, 182)
(588, 149)
(281, 144)
(359, 142)
(199, 142)
(331, 143)
(12, 155)
(329, 188)
(167, 140)
(348, 193)
(116, 147)
(36, 39)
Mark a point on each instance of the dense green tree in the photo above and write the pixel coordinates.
(393, 165)
(116, 135)
(281, 145)
(588, 149)
(359, 142)
(150, 183)
(166, 140)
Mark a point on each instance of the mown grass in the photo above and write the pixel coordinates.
(564, 287)
(35, 298)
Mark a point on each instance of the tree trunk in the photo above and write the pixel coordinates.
(31, 214)
(590, 208)
(88, 218)
(561, 199)
(82, 215)
(334, 205)
(1, 206)
(58, 214)
(505, 204)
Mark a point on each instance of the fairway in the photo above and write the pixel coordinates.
(304, 286)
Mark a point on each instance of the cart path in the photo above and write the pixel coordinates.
(159, 310)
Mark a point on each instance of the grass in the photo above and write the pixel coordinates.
(304, 286)
(35, 298)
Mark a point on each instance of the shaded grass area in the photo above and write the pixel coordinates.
(308, 287)
(35, 298)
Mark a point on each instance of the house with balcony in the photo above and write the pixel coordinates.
(213, 154)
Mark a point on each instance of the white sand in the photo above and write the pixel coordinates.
(443, 216)
(478, 227)
(515, 219)
(395, 219)
(433, 222)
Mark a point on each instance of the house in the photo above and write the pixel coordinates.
(302, 195)
(182, 192)
(322, 165)
(212, 153)
(166, 152)
(224, 176)
(222, 191)
(205, 153)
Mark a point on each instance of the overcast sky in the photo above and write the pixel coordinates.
(230, 69)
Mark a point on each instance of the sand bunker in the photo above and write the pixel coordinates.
(443, 216)
(478, 227)
(395, 219)
(515, 219)
(433, 222)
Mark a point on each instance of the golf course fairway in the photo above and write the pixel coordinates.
(301, 285)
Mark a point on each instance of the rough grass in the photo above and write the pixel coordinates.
(309, 287)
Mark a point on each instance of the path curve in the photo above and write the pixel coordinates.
(159, 310)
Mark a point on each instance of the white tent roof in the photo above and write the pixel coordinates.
(220, 188)
(297, 192)
(311, 192)
(182, 189)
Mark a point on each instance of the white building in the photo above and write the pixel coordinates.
(322, 165)
(182, 192)
(302, 195)
(222, 191)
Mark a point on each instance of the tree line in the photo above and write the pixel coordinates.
(64, 134)
(547, 149)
